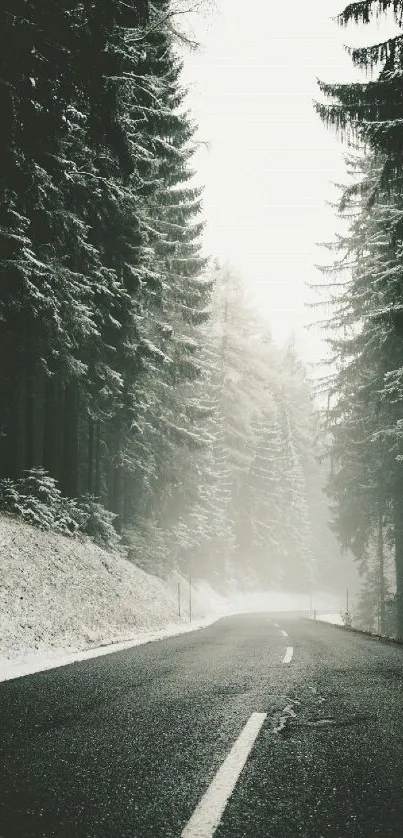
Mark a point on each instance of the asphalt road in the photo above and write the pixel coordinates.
(126, 745)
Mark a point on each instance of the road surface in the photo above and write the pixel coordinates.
(258, 726)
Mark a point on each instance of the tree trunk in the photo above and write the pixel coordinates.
(53, 426)
(126, 500)
(29, 415)
(97, 486)
(59, 428)
(50, 427)
(118, 497)
(398, 527)
(117, 478)
(14, 430)
(381, 568)
(70, 441)
(90, 457)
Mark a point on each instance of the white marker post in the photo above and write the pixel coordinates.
(190, 594)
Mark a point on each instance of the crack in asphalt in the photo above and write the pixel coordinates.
(288, 721)
(308, 716)
(347, 722)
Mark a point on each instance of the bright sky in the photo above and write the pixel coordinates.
(270, 162)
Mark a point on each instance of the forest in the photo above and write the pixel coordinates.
(138, 386)
(135, 380)
(363, 285)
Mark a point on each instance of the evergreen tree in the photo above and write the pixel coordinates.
(263, 430)
(366, 418)
(372, 110)
(100, 249)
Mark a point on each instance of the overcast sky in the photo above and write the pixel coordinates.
(270, 162)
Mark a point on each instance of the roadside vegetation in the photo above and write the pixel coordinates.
(364, 419)
(141, 399)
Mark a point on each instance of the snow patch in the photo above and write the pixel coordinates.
(336, 619)
(40, 661)
(64, 599)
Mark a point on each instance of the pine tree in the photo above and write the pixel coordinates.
(366, 420)
(263, 428)
(100, 245)
(364, 411)
(372, 110)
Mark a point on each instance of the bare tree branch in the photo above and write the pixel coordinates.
(160, 22)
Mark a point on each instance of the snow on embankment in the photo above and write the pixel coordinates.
(336, 618)
(60, 595)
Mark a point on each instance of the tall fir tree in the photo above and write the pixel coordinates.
(367, 415)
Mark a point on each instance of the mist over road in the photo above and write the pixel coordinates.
(278, 726)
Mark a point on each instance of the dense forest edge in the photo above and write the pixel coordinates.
(363, 286)
(142, 400)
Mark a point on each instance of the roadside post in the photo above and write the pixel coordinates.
(190, 594)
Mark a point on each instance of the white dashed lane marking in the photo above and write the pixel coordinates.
(208, 812)
(288, 655)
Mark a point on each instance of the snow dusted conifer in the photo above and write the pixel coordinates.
(262, 485)
(364, 415)
(100, 241)
(371, 110)
(368, 386)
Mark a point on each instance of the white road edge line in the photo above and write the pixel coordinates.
(40, 662)
(284, 633)
(209, 810)
(288, 655)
